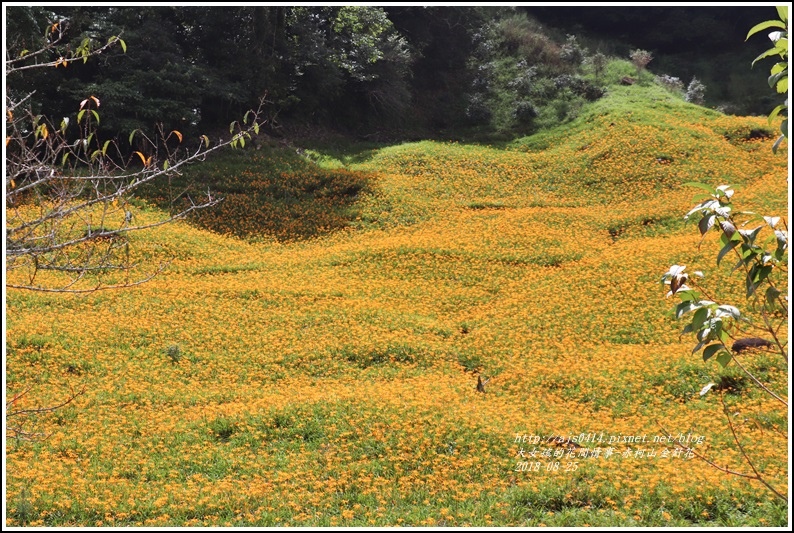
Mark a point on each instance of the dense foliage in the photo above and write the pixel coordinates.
(401, 71)
(193, 67)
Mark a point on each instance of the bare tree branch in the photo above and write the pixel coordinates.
(68, 202)
(754, 476)
(16, 429)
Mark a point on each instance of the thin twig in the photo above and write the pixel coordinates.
(725, 469)
(99, 287)
(744, 453)
(40, 410)
(757, 382)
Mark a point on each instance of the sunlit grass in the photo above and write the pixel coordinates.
(322, 371)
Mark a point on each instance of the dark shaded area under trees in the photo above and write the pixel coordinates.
(372, 72)
(703, 41)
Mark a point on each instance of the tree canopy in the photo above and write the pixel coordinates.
(359, 69)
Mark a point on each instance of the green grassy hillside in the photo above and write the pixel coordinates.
(310, 356)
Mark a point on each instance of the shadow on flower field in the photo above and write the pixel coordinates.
(269, 191)
(311, 355)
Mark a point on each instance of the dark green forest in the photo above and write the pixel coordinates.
(378, 72)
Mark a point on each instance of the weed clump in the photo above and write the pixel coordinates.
(174, 353)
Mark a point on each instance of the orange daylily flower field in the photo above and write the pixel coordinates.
(332, 381)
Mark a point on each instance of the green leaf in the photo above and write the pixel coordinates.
(782, 12)
(764, 25)
(685, 307)
(776, 77)
(688, 295)
(256, 128)
(123, 45)
(64, 158)
(132, 135)
(710, 350)
(245, 117)
(730, 310)
(725, 249)
(703, 335)
(723, 210)
(722, 335)
(706, 223)
(772, 221)
(767, 258)
(231, 126)
(165, 164)
(782, 83)
(96, 115)
(771, 295)
(702, 207)
(775, 112)
(105, 147)
(782, 239)
(763, 273)
(80, 115)
(777, 143)
(748, 252)
(768, 53)
(700, 316)
(749, 285)
(724, 358)
(756, 276)
(728, 228)
(749, 236)
(698, 347)
(700, 196)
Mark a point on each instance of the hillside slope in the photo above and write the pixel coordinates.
(331, 380)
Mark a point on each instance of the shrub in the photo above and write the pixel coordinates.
(174, 352)
(477, 110)
(579, 87)
(517, 35)
(695, 92)
(671, 83)
(640, 58)
(522, 83)
(525, 112)
(572, 52)
(597, 62)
